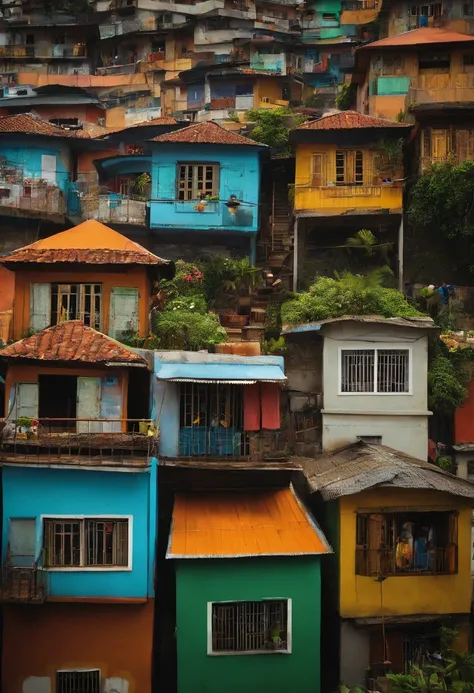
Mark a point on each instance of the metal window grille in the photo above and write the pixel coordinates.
(197, 180)
(211, 420)
(77, 302)
(349, 167)
(392, 370)
(249, 626)
(107, 542)
(91, 542)
(357, 370)
(78, 681)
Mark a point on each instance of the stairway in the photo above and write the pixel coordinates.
(279, 254)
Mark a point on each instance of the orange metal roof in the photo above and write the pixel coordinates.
(233, 524)
(419, 37)
(90, 242)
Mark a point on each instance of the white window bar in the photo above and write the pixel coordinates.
(375, 371)
(249, 626)
(78, 681)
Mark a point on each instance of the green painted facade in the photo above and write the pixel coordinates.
(201, 581)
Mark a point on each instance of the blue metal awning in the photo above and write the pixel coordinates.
(243, 374)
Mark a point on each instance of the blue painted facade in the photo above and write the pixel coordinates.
(25, 154)
(40, 493)
(239, 175)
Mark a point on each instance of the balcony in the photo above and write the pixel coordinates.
(76, 52)
(113, 441)
(29, 197)
(445, 90)
(114, 209)
(130, 26)
(229, 445)
(202, 214)
(386, 562)
(23, 581)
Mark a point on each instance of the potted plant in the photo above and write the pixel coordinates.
(229, 318)
(26, 427)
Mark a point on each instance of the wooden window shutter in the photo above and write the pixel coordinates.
(123, 311)
(318, 170)
(40, 306)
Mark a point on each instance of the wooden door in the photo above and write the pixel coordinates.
(88, 404)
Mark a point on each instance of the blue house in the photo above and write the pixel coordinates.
(206, 179)
(217, 406)
(79, 498)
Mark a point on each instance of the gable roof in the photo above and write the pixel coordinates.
(206, 133)
(419, 37)
(72, 341)
(90, 242)
(349, 120)
(237, 524)
(364, 466)
(31, 124)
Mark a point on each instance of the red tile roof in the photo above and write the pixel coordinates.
(348, 120)
(90, 242)
(205, 133)
(419, 37)
(31, 124)
(71, 341)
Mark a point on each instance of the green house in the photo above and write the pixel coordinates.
(248, 592)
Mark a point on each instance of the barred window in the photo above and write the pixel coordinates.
(375, 371)
(197, 181)
(250, 626)
(78, 681)
(84, 543)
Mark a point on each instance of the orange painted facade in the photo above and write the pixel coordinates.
(120, 276)
(464, 419)
(88, 113)
(29, 374)
(7, 291)
(85, 159)
(117, 639)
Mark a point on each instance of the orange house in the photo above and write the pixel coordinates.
(90, 273)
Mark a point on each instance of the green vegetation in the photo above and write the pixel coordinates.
(272, 127)
(345, 97)
(188, 329)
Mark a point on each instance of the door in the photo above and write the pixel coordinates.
(440, 149)
(123, 311)
(88, 404)
(25, 401)
(40, 306)
(22, 541)
(48, 168)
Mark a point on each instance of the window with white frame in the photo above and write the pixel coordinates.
(376, 371)
(78, 681)
(84, 543)
(197, 181)
(260, 626)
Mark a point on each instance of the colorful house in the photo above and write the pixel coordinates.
(347, 178)
(205, 183)
(89, 273)
(401, 532)
(79, 513)
(248, 591)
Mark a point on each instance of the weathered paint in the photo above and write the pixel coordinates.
(32, 492)
(117, 639)
(464, 419)
(200, 582)
(27, 153)
(316, 189)
(360, 596)
(125, 278)
(239, 176)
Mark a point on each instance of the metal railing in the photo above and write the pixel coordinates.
(30, 194)
(23, 580)
(390, 561)
(353, 5)
(31, 51)
(113, 208)
(449, 94)
(219, 443)
(118, 439)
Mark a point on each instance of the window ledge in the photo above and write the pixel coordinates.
(249, 652)
(88, 569)
(378, 412)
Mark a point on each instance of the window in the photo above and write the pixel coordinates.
(470, 471)
(78, 681)
(262, 626)
(429, 60)
(92, 542)
(349, 167)
(401, 543)
(376, 371)
(196, 181)
(468, 9)
(76, 302)
(433, 10)
(468, 60)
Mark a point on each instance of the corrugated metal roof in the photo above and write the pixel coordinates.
(198, 372)
(421, 322)
(363, 466)
(233, 524)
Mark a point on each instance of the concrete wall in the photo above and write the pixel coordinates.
(401, 419)
(354, 655)
(33, 493)
(26, 153)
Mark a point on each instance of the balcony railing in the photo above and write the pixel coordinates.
(32, 196)
(23, 581)
(453, 95)
(354, 5)
(126, 27)
(389, 561)
(218, 443)
(115, 439)
(119, 209)
(30, 51)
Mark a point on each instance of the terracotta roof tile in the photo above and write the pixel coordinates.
(419, 37)
(349, 120)
(90, 242)
(31, 124)
(237, 524)
(205, 133)
(71, 341)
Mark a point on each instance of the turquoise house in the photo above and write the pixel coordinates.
(206, 179)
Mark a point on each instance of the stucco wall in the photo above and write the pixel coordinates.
(27, 153)
(199, 582)
(32, 493)
(354, 654)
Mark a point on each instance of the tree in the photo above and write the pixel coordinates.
(272, 127)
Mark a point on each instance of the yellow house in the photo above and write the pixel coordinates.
(401, 533)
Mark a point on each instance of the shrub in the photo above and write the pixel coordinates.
(188, 330)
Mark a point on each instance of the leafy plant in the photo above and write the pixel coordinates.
(401, 115)
(141, 184)
(274, 346)
(188, 330)
(447, 381)
(24, 422)
(446, 463)
(344, 97)
(390, 154)
(271, 128)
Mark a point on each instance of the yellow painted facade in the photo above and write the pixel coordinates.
(405, 594)
(330, 180)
